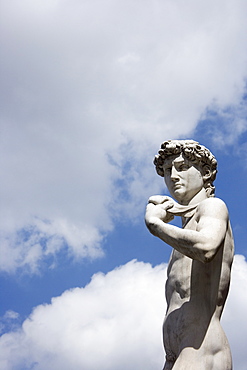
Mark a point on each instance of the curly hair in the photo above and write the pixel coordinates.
(195, 153)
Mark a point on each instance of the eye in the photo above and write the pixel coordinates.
(184, 167)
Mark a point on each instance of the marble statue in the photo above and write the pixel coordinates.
(198, 274)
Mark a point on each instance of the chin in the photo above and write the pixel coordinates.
(177, 197)
(178, 193)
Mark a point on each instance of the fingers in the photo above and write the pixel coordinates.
(159, 199)
(155, 199)
(168, 205)
(162, 206)
(169, 217)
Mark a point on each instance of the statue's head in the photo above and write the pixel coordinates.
(197, 154)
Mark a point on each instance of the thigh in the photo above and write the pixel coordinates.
(168, 365)
(193, 359)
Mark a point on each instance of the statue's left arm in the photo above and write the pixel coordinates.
(201, 244)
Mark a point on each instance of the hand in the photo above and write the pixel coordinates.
(160, 199)
(157, 207)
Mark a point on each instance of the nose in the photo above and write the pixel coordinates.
(174, 174)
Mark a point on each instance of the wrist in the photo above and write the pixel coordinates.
(153, 223)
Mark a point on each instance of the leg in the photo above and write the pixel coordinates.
(168, 365)
(170, 360)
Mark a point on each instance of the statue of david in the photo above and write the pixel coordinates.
(198, 274)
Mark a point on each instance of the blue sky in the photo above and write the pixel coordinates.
(89, 91)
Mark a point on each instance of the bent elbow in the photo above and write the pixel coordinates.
(208, 255)
(151, 224)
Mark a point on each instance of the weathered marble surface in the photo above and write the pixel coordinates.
(200, 264)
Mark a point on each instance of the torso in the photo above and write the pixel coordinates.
(196, 294)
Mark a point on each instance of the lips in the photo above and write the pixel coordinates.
(177, 186)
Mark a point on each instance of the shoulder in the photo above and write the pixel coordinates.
(213, 207)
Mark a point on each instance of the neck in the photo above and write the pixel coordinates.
(199, 197)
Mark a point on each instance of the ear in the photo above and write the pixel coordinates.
(206, 173)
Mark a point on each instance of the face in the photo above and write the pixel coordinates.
(183, 179)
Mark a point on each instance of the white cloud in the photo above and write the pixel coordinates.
(10, 314)
(113, 323)
(231, 125)
(8, 322)
(105, 325)
(234, 317)
(85, 80)
(28, 247)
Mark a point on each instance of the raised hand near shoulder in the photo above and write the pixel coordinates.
(157, 210)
